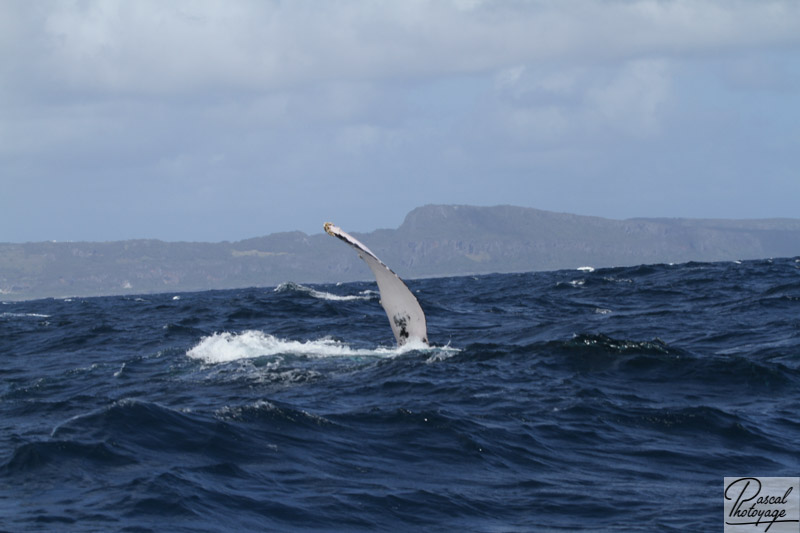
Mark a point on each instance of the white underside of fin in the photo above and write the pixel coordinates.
(402, 308)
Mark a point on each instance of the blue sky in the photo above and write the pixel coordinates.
(223, 120)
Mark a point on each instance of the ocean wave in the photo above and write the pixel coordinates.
(62, 455)
(265, 410)
(135, 407)
(290, 286)
(605, 344)
(123, 422)
(656, 360)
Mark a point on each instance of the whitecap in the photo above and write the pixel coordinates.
(586, 269)
(322, 295)
(23, 315)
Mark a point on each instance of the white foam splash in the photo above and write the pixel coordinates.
(226, 347)
(23, 315)
(441, 353)
(322, 295)
(586, 269)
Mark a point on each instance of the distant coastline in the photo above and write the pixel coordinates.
(433, 241)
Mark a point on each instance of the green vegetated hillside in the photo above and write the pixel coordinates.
(434, 240)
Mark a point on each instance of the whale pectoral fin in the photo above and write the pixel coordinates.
(405, 314)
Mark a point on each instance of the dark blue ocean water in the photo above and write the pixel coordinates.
(607, 400)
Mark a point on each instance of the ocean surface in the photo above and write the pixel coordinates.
(582, 400)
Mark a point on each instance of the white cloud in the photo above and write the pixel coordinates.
(632, 100)
(259, 102)
(356, 139)
(546, 105)
(187, 46)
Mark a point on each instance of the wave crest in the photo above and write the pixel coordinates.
(290, 286)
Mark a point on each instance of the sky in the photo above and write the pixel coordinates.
(200, 120)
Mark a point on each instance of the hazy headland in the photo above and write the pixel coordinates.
(432, 241)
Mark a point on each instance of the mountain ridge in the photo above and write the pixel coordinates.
(432, 241)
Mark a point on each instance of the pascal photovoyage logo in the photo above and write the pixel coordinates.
(756, 504)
